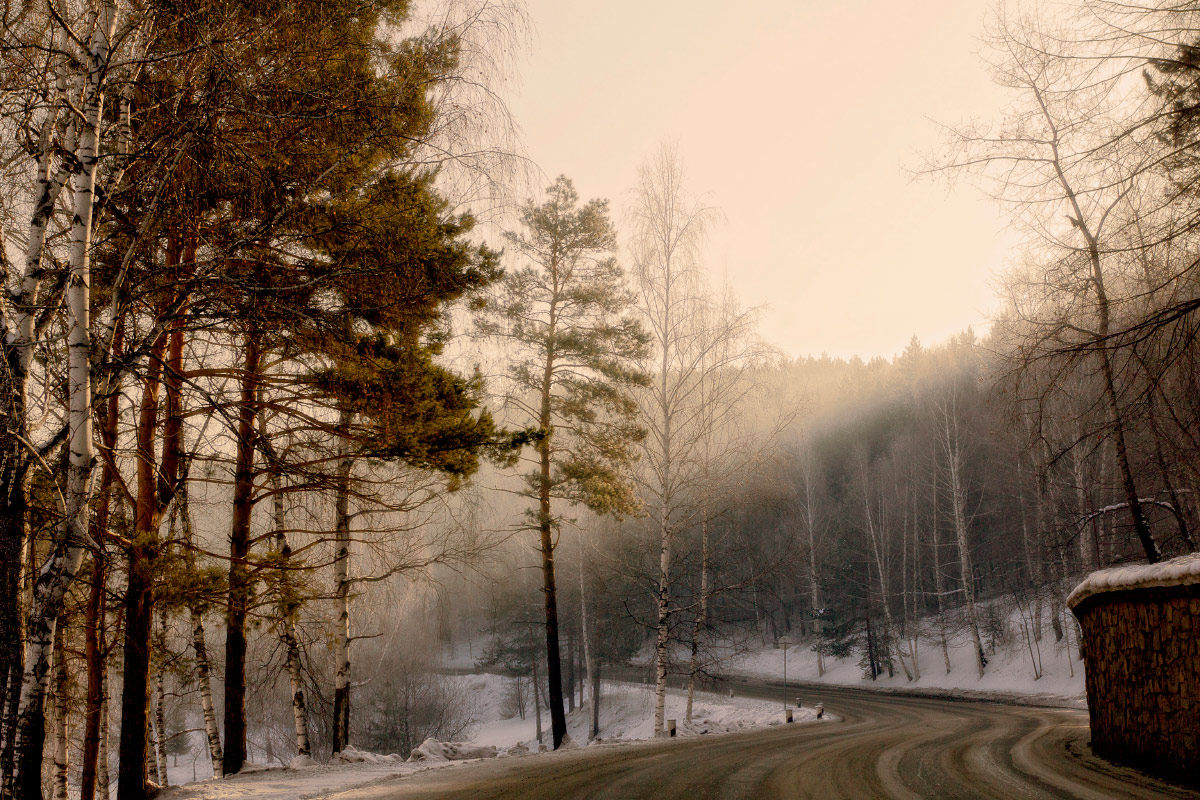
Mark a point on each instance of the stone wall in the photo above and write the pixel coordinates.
(1141, 645)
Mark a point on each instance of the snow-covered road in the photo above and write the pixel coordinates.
(889, 746)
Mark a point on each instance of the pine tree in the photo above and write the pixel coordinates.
(578, 346)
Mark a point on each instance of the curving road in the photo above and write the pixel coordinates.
(885, 746)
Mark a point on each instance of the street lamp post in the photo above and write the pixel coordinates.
(785, 642)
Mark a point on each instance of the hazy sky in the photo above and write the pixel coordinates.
(797, 119)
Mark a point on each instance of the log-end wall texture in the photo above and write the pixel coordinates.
(1141, 646)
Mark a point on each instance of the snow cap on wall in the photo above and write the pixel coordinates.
(1176, 572)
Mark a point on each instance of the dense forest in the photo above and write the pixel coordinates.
(281, 418)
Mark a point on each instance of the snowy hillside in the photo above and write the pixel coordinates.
(1010, 671)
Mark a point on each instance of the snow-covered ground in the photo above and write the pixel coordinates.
(626, 714)
(1009, 674)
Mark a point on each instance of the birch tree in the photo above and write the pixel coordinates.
(1074, 181)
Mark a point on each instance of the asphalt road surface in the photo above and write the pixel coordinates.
(883, 746)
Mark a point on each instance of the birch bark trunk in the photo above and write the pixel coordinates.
(103, 776)
(341, 592)
(199, 646)
(18, 337)
(879, 550)
(289, 609)
(160, 721)
(63, 564)
(939, 586)
(814, 584)
(952, 449)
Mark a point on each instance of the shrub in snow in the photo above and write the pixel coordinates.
(433, 750)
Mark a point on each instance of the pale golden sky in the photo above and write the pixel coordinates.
(797, 119)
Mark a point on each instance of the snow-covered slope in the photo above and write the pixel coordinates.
(1010, 670)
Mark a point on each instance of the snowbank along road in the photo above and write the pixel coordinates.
(885, 746)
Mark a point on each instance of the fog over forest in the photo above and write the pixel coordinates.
(323, 390)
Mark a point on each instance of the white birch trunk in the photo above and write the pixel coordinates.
(879, 551)
(152, 753)
(160, 727)
(200, 646)
(102, 776)
(952, 449)
(939, 587)
(810, 523)
(662, 642)
(914, 643)
(63, 564)
(341, 592)
(204, 675)
(287, 623)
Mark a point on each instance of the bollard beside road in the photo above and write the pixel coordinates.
(670, 727)
(820, 710)
(788, 715)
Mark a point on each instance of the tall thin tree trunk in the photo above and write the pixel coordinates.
(289, 605)
(96, 665)
(153, 778)
(558, 717)
(877, 533)
(234, 755)
(814, 583)
(1111, 400)
(666, 489)
(95, 651)
(595, 702)
(341, 590)
(702, 613)
(537, 692)
(589, 653)
(103, 778)
(569, 679)
(199, 645)
(939, 585)
(139, 594)
(62, 710)
(952, 449)
(160, 719)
